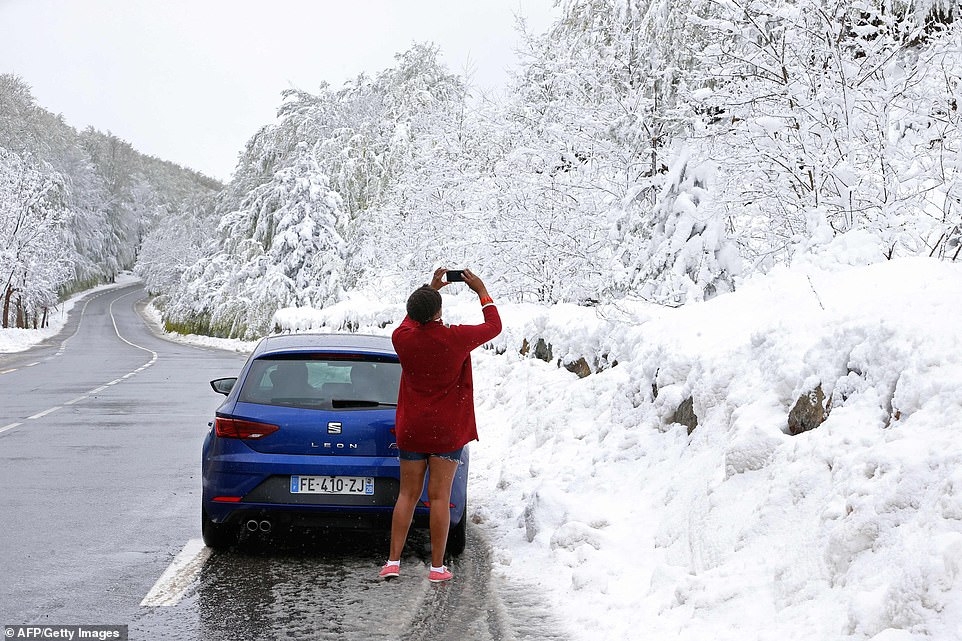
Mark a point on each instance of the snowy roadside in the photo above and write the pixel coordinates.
(153, 316)
(740, 531)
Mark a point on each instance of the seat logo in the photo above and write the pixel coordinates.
(334, 427)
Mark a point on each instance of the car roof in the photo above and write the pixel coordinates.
(305, 342)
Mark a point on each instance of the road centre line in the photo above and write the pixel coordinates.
(7, 371)
(43, 413)
(177, 578)
(9, 427)
(110, 309)
(77, 400)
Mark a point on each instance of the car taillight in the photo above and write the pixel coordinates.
(240, 428)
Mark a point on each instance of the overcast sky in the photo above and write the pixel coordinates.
(190, 81)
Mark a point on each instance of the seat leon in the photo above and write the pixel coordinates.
(305, 438)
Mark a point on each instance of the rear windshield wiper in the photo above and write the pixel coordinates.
(351, 402)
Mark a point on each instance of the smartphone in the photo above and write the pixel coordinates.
(454, 276)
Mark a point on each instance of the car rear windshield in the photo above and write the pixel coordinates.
(333, 382)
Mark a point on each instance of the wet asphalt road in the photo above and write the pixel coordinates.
(100, 438)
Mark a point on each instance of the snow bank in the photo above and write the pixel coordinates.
(740, 531)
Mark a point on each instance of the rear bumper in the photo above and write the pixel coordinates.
(242, 485)
(281, 516)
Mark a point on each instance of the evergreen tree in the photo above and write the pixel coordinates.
(280, 248)
(688, 256)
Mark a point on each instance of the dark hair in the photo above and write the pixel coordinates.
(424, 303)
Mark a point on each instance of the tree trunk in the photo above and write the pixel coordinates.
(7, 295)
(21, 321)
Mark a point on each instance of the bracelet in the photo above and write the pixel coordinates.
(487, 300)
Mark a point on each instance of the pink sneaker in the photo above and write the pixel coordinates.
(438, 577)
(390, 571)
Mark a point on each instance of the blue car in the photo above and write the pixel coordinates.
(305, 438)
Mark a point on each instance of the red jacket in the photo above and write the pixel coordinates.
(435, 409)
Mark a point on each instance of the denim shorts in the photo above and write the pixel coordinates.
(420, 456)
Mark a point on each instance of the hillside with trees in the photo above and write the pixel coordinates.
(643, 150)
(74, 205)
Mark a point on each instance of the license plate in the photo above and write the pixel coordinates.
(332, 485)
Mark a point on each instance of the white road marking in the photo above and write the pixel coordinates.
(43, 413)
(7, 371)
(176, 579)
(113, 320)
(77, 400)
(9, 427)
(32, 364)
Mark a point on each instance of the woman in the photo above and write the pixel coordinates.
(435, 412)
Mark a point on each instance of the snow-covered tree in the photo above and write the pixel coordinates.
(307, 214)
(592, 117)
(687, 255)
(174, 243)
(115, 160)
(34, 252)
(280, 248)
(834, 112)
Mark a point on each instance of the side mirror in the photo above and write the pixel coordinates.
(223, 385)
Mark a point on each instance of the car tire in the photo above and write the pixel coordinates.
(458, 534)
(217, 536)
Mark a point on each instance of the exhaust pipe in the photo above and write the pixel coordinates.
(254, 525)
